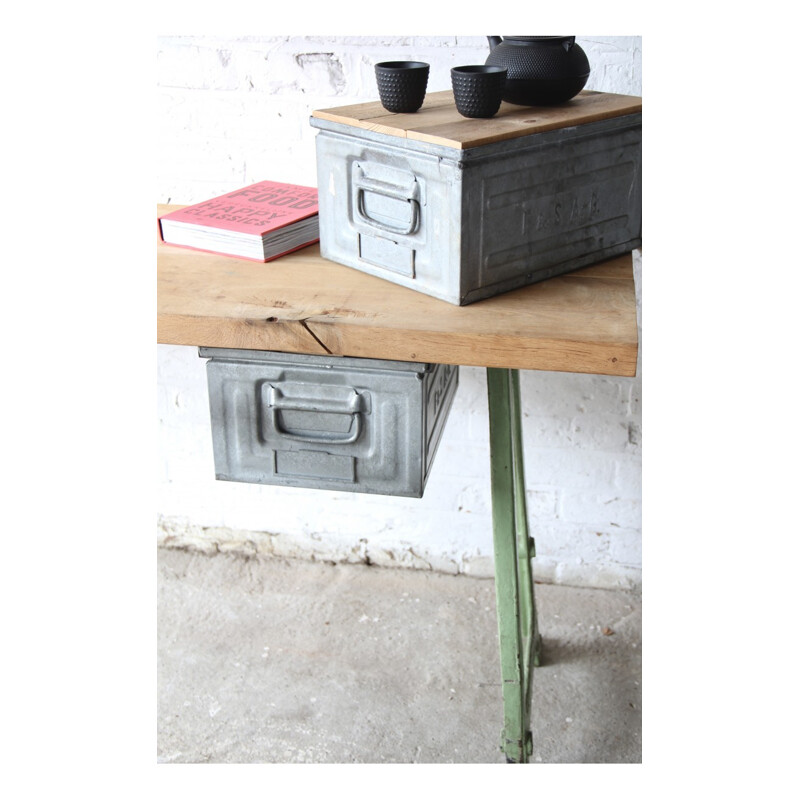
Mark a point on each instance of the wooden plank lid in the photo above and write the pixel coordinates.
(438, 121)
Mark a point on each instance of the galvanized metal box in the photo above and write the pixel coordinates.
(463, 224)
(322, 422)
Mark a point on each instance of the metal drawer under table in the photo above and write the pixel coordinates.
(324, 422)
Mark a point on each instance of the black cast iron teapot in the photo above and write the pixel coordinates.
(542, 70)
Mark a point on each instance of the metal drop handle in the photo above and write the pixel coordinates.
(363, 184)
(354, 405)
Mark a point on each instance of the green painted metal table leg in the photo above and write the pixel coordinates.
(520, 642)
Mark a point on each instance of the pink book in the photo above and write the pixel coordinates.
(260, 222)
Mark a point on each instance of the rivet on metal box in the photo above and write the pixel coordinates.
(323, 422)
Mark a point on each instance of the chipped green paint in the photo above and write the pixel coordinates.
(520, 642)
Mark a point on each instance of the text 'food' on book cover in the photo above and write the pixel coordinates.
(261, 222)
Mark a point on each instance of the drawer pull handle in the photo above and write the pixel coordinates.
(362, 184)
(354, 406)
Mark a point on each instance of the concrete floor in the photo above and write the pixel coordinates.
(263, 660)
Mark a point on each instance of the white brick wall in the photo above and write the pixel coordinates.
(235, 110)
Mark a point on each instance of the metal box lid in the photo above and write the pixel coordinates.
(240, 356)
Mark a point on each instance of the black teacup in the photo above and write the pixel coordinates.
(478, 89)
(402, 85)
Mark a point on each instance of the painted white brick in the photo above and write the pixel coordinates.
(625, 548)
(580, 469)
(546, 431)
(559, 541)
(562, 393)
(234, 110)
(600, 432)
(616, 63)
(635, 398)
(628, 477)
(473, 498)
(542, 504)
(599, 510)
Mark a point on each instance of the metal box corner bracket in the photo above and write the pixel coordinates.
(325, 422)
(463, 225)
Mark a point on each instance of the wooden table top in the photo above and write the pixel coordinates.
(438, 121)
(302, 303)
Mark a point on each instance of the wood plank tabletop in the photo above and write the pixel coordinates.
(438, 121)
(584, 321)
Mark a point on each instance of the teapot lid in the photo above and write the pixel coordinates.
(535, 38)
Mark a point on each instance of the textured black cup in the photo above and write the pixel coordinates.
(402, 85)
(478, 90)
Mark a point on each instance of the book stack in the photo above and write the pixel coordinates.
(260, 222)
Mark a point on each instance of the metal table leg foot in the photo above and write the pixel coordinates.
(520, 642)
